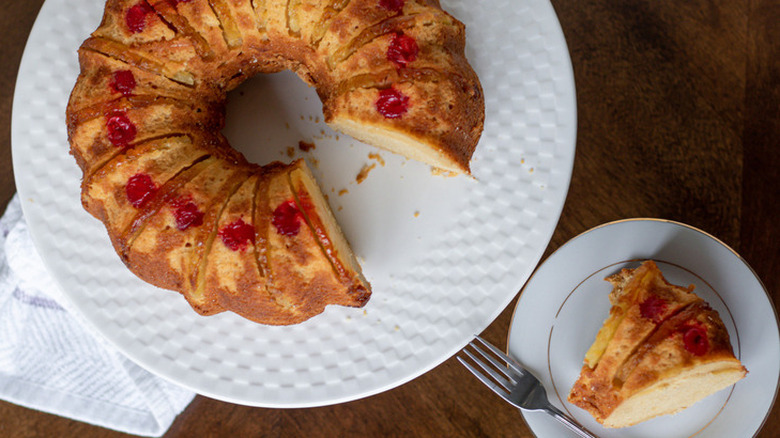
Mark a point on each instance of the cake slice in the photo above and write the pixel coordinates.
(661, 349)
(319, 217)
(300, 275)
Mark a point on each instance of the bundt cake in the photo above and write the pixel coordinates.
(187, 212)
(661, 349)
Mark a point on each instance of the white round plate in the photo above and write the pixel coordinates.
(444, 255)
(566, 300)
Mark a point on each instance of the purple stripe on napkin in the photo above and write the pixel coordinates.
(35, 301)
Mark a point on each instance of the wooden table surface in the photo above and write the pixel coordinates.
(679, 118)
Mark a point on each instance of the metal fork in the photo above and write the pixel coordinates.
(514, 383)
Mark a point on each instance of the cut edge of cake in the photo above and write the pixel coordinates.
(333, 243)
(663, 398)
(403, 144)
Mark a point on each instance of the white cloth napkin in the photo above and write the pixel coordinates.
(51, 362)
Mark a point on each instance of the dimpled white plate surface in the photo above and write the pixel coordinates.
(444, 255)
(566, 301)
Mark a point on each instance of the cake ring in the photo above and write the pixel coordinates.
(185, 211)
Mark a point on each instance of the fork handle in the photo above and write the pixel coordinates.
(568, 422)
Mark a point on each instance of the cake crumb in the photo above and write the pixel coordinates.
(290, 151)
(441, 172)
(315, 163)
(343, 192)
(306, 146)
(531, 170)
(417, 213)
(397, 328)
(363, 174)
(377, 157)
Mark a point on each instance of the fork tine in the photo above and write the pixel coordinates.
(485, 380)
(513, 365)
(500, 378)
(501, 367)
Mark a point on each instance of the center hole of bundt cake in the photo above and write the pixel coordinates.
(270, 113)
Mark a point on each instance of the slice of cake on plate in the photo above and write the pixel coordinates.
(661, 349)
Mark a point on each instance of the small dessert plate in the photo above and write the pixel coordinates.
(566, 300)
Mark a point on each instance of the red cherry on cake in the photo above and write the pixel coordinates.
(392, 103)
(123, 82)
(286, 219)
(392, 5)
(237, 234)
(695, 339)
(402, 50)
(121, 131)
(135, 19)
(653, 308)
(187, 215)
(140, 189)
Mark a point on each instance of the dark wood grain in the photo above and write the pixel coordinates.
(679, 118)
